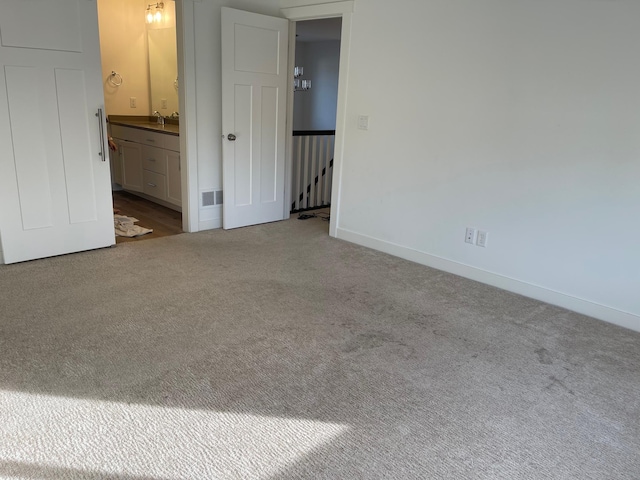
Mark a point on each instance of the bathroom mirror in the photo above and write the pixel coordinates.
(163, 70)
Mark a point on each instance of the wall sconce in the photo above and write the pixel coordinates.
(298, 83)
(154, 13)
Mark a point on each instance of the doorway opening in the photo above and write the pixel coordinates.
(316, 75)
(140, 71)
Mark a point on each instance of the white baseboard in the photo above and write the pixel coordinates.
(585, 307)
(210, 217)
(209, 224)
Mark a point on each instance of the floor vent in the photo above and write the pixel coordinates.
(211, 198)
(208, 198)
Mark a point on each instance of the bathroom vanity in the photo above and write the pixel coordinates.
(147, 158)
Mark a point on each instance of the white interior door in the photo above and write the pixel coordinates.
(254, 99)
(55, 194)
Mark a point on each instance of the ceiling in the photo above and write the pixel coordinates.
(319, 30)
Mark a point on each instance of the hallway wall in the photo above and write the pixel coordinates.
(315, 109)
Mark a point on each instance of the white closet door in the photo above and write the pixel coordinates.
(55, 194)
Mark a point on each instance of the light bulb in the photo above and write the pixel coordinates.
(158, 16)
(149, 16)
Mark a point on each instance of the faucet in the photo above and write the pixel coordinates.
(175, 115)
(160, 117)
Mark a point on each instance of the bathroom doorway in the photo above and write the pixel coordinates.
(139, 66)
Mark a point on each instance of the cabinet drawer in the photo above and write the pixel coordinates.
(155, 184)
(154, 139)
(125, 133)
(154, 159)
(172, 142)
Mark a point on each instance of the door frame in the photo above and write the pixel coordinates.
(185, 14)
(185, 39)
(345, 10)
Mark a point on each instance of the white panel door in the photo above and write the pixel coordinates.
(254, 86)
(55, 188)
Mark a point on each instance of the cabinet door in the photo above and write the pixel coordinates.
(174, 178)
(131, 166)
(116, 163)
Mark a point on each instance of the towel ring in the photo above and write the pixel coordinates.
(115, 79)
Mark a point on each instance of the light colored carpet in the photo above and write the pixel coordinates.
(276, 352)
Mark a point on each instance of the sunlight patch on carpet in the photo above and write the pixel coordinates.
(57, 437)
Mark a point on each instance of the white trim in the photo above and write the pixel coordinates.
(212, 224)
(580, 305)
(210, 217)
(324, 10)
(288, 149)
(185, 29)
(341, 124)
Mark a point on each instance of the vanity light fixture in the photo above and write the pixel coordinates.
(154, 13)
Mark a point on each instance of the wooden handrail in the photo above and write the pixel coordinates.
(303, 133)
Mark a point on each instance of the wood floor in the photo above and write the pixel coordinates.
(162, 220)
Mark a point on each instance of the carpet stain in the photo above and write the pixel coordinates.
(366, 341)
(424, 318)
(556, 382)
(544, 357)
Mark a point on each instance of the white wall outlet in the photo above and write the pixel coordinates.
(483, 237)
(363, 122)
(470, 235)
(163, 103)
(132, 102)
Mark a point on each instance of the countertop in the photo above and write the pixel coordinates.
(170, 126)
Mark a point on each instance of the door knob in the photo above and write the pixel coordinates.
(231, 137)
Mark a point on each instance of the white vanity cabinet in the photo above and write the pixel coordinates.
(174, 178)
(150, 164)
(131, 159)
(154, 171)
(116, 164)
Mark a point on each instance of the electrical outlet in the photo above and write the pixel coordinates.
(132, 102)
(483, 237)
(363, 122)
(470, 235)
(163, 103)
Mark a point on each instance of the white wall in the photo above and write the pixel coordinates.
(301, 99)
(123, 46)
(315, 109)
(518, 117)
